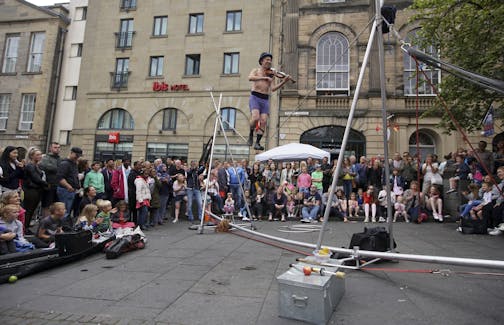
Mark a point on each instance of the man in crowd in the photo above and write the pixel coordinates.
(68, 181)
(49, 164)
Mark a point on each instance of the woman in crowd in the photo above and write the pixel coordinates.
(11, 170)
(33, 185)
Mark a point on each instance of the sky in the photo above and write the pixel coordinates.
(44, 2)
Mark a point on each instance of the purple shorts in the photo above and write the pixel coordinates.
(259, 101)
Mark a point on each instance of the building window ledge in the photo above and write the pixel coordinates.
(8, 74)
(230, 75)
(191, 76)
(195, 34)
(31, 73)
(233, 32)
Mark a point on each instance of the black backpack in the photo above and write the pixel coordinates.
(372, 239)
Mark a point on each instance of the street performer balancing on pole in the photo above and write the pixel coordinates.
(262, 85)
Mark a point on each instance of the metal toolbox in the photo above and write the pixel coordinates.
(310, 298)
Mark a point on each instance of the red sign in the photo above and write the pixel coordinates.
(113, 137)
(162, 86)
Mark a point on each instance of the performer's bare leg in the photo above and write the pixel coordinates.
(254, 119)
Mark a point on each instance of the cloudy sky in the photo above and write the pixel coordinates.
(44, 2)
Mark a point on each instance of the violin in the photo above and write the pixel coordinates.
(272, 72)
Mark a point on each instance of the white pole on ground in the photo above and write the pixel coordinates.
(383, 93)
(346, 134)
(217, 111)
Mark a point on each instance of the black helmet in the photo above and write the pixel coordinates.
(263, 55)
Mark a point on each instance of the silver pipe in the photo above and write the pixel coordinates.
(217, 111)
(383, 93)
(462, 261)
(346, 134)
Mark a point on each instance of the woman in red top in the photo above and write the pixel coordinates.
(369, 201)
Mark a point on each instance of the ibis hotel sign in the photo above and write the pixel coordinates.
(163, 87)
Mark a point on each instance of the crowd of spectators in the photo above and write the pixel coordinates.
(65, 193)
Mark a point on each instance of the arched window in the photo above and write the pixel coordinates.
(228, 116)
(426, 144)
(116, 119)
(170, 119)
(333, 63)
(409, 74)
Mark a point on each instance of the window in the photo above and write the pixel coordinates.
(410, 72)
(228, 117)
(80, 13)
(121, 73)
(27, 112)
(233, 21)
(125, 35)
(10, 54)
(192, 65)
(65, 137)
(333, 63)
(164, 150)
(116, 119)
(128, 4)
(223, 152)
(105, 150)
(160, 25)
(231, 63)
(170, 119)
(426, 144)
(76, 50)
(36, 52)
(71, 93)
(156, 66)
(195, 23)
(4, 110)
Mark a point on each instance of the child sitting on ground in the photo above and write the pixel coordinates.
(258, 204)
(435, 203)
(353, 206)
(10, 222)
(243, 209)
(52, 224)
(229, 204)
(103, 217)
(400, 209)
(87, 218)
(121, 218)
(476, 206)
(290, 206)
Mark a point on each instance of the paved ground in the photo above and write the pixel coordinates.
(182, 277)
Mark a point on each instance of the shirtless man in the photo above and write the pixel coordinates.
(262, 85)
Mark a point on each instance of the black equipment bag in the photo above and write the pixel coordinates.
(372, 239)
(73, 242)
(123, 245)
(478, 227)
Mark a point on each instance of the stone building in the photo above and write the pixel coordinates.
(148, 68)
(31, 46)
(323, 45)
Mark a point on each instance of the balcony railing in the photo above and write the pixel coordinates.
(124, 40)
(119, 80)
(333, 102)
(424, 103)
(128, 4)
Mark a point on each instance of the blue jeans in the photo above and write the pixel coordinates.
(142, 213)
(237, 196)
(193, 194)
(161, 212)
(467, 207)
(67, 198)
(310, 212)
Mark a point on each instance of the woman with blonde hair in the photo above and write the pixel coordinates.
(33, 185)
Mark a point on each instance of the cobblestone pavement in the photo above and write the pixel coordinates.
(182, 277)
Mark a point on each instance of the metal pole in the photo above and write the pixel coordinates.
(473, 262)
(217, 111)
(346, 135)
(383, 92)
(242, 191)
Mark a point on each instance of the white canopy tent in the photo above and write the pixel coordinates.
(293, 151)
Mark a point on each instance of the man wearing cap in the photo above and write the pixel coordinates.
(262, 86)
(68, 180)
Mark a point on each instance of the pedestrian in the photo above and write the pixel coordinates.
(68, 181)
(33, 185)
(49, 164)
